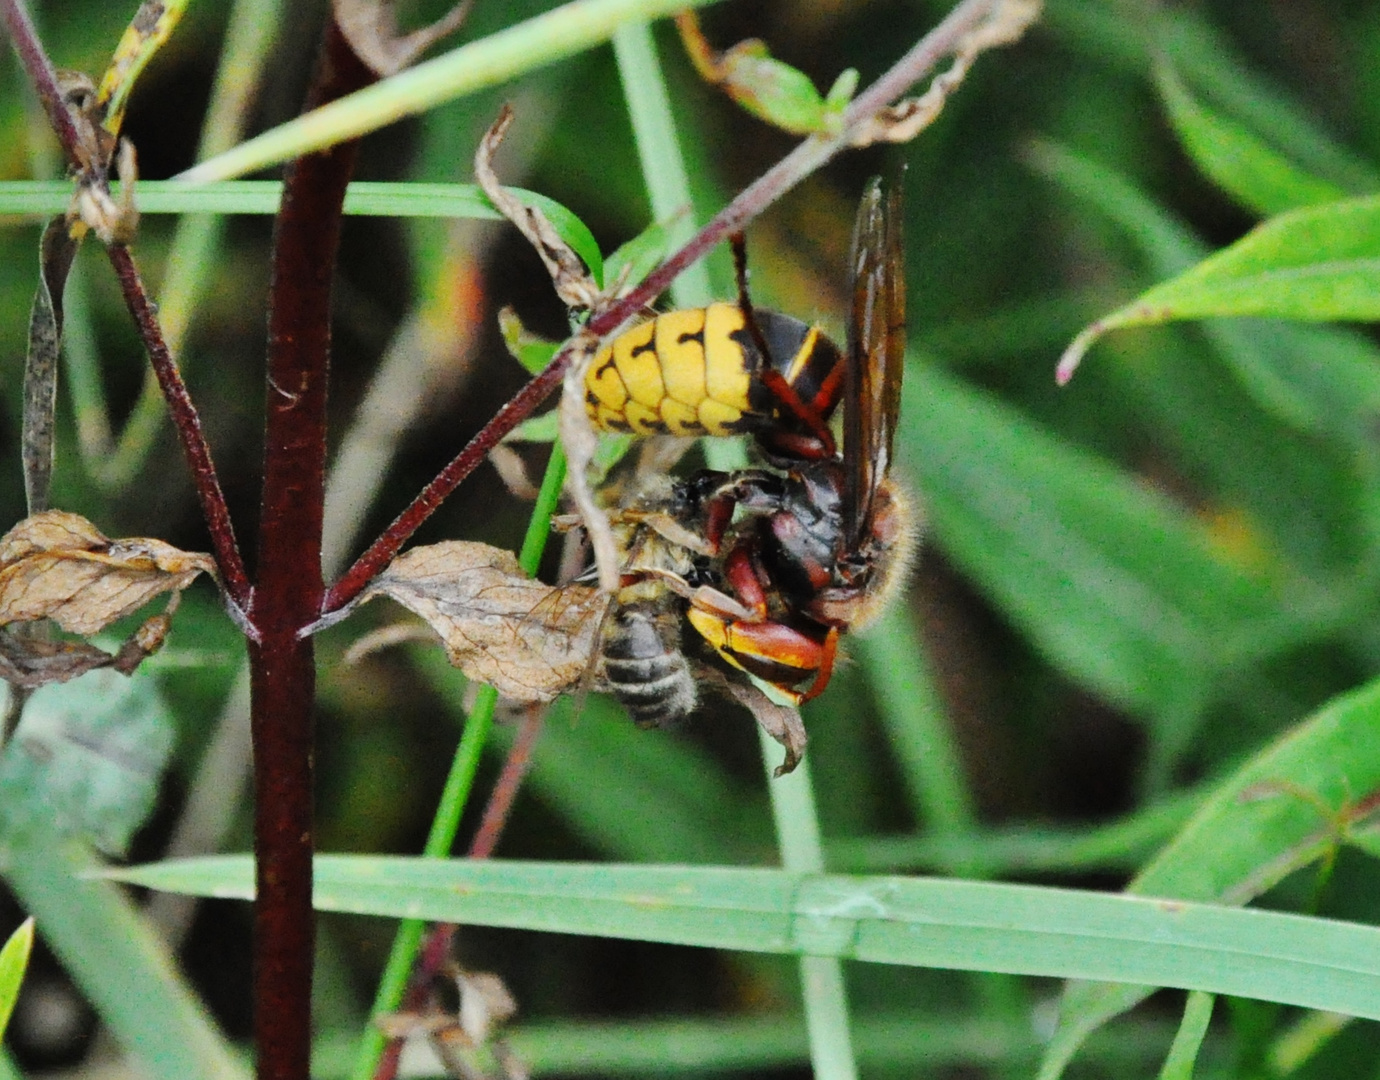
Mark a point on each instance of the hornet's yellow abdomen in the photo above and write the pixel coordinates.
(682, 373)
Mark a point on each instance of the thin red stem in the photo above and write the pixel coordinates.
(188, 425)
(436, 949)
(765, 190)
(41, 74)
(382, 551)
(44, 78)
(287, 595)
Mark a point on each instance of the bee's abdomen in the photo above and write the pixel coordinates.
(644, 667)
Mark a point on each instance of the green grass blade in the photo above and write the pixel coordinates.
(1183, 1054)
(1248, 169)
(554, 35)
(1290, 805)
(14, 961)
(1058, 538)
(965, 925)
(365, 198)
(908, 1043)
(658, 151)
(792, 798)
(918, 728)
(117, 962)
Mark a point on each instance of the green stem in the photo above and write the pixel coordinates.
(793, 805)
(455, 796)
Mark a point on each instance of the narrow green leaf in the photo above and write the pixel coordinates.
(57, 249)
(553, 35)
(1318, 379)
(1292, 803)
(903, 1043)
(912, 709)
(1121, 845)
(1020, 929)
(86, 759)
(1244, 165)
(1300, 1041)
(1118, 586)
(633, 261)
(1183, 1054)
(364, 198)
(152, 25)
(117, 962)
(1321, 263)
(1210, 60)
(14, 961)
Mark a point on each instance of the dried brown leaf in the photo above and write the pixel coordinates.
(30, 663)
(905, 119)
(371, 28)
(528, 640)
(485, 1004)
(574, 285)
(59, 566)
(781, 722)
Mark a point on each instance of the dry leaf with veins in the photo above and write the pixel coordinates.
(59, 566)
(528, 640)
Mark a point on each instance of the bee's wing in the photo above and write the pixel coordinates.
(876, 353)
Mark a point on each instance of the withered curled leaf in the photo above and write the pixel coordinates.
(59, 566)
(31, 662)
(57, 250)
(781, 722)
(371, 28)
(574, 284)
(530, 641)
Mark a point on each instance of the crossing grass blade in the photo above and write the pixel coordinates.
(1019, 929)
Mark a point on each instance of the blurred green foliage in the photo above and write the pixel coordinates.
(1130, 587)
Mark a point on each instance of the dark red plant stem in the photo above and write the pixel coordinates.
(436, 949)
(188, 425)
(287, 594)
(765, 190)
(41, 74)
(381, 552)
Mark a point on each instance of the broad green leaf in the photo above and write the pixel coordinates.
(86, 758)
(1256, 175)
(1293, 803)
(14, 961)
(1119, 587)
(1319, 382)
(1318, 264)
(119, 964)
(928, 922)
